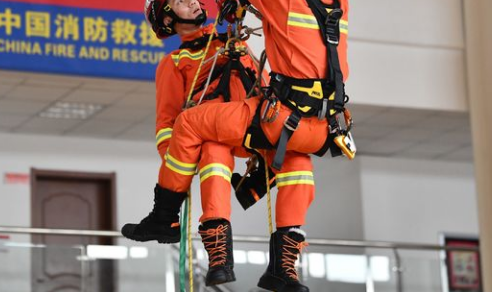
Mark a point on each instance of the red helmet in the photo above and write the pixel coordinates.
(156, 10)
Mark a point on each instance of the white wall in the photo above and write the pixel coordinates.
(407, 54)
(404, 54)
(415, 200)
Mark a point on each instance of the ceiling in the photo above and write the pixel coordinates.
(128, 112)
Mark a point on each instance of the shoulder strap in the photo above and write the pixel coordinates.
(329, 24)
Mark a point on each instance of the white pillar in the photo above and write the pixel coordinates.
(478, 29)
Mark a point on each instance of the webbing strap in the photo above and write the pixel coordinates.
(338, 78)
(290, 126)
(255, 138)
(201, 42)
(215, 74)
(247, 80)
(330, 30)
(223, 86)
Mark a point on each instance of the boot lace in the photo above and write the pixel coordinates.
(289, 256)
(214, 240)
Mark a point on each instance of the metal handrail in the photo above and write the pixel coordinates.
(247, 239)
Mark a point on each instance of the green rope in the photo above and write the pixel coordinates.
(182, 248)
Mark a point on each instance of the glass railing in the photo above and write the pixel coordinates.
(325, 266)
(37, 267)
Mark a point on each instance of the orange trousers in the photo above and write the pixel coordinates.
(227, 124)
(215, 171)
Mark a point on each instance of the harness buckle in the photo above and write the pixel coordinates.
(332, 26)
(344, 121)
(292, 122)
(324, 109)
(332, 40)
(334, 16)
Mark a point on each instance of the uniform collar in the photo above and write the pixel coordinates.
(207, 29)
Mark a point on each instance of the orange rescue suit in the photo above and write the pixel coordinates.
(174, 77)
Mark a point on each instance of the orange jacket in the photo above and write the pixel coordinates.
(174, 77)
(292, 33)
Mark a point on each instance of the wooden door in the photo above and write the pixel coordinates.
(70, 200)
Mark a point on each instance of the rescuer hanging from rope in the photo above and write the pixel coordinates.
(234, 76)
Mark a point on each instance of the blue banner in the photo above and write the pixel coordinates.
(80, 41)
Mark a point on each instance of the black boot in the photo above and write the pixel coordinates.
(281, 274)
(253, 187)
(162, 223)
(217, 240)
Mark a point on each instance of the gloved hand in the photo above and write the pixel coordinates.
(228, 9)
(253, 187)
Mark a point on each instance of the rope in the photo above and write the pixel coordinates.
(187, 211)
(190, 244)
(210, 75)
(203, 59)
(260, 78)
(182, 250)
(269, 197)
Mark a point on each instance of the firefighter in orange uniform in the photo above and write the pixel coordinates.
(301, 115)
(231, 78)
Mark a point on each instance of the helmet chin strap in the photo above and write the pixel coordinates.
(199, 20)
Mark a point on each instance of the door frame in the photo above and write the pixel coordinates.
(109, 178)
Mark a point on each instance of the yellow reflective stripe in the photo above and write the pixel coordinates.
(310, 17)
(302, 20)
(309, 21)
(215, 169)
(287, 174)
(344, 26)
(163, 134)
(186, 54)
(295, 182)
(295, 178)
(215, 173)
(178, 166)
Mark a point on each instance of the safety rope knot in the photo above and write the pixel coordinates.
(291, 250)
(214, 240)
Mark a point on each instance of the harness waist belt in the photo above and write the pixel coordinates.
(304, 95)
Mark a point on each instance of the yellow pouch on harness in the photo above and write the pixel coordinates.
(316, 91)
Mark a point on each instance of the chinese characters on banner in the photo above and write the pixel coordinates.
(82, 41)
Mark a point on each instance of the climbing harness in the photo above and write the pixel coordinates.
(324, 98)
(233, 49)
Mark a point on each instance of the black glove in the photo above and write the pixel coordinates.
(227, 10)
(253, 187)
